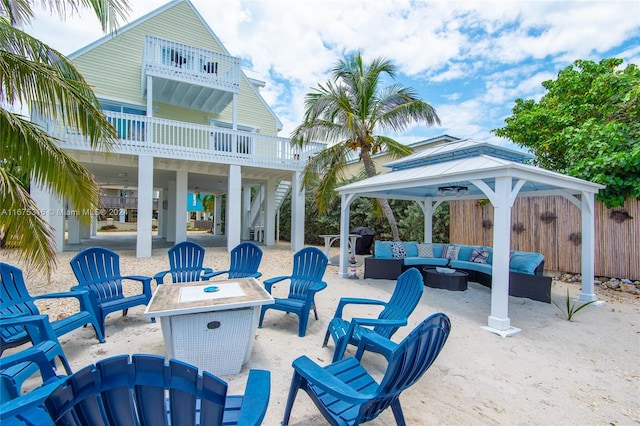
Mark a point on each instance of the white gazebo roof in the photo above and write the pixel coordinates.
(469, 169)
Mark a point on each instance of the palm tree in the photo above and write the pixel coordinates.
(35, 75)
(347, 112)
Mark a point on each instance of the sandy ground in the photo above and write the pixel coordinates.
(583, 372)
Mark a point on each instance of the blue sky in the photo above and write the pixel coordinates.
(470, 60)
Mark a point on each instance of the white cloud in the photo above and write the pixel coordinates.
(481, 54)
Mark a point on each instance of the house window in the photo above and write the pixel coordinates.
(127, 128)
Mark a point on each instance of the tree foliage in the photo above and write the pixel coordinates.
(349, 112)
(35, 75)
(586, 125)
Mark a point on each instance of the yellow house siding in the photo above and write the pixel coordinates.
(114, 69)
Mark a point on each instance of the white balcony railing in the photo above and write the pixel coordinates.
(171, 60)
(176, 139)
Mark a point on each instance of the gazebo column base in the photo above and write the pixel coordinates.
(504, 333)
(501, 326)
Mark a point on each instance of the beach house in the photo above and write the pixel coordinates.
(190, 119)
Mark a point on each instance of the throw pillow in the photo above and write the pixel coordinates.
(398, 250)
(450, 251)
(425, 250)
(479, 256)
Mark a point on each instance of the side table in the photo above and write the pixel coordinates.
(455, 281)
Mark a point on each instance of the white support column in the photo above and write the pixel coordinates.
(73, 227)
(171, 212)
(181, 206)
(499, 321)
(428, 207)
(297, 212)
(53, 212)
(345, 205)
(246, 211)
(217, 215)
(234, 190)
(162, 212)
(270, 212)
(588, 247)
(145, 206)
(94, 226)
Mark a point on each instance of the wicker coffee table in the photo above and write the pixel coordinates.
(455, 281)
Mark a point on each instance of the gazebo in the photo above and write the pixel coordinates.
(468, 169)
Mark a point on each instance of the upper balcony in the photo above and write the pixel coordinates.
(189, 77)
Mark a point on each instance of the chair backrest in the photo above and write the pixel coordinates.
(309, 265)
(405, 298)
(125, 391)
(185, 261)
(14, 299)
(245, 260)
(98, 269)
(409, 361)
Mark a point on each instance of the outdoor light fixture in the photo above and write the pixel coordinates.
(453, 190)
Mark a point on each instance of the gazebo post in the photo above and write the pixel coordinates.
(499, 321)
(588, 247)
(345, 205)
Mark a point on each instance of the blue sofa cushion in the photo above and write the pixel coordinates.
(426, 261)
(525, 262)
(471, 266)
(411, 248)
(382, 249)
(465, 252)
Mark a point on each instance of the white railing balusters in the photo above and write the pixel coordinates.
(168, 138)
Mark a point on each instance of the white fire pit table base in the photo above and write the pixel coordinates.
(212, 330)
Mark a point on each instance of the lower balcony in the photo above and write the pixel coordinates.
(160, 137)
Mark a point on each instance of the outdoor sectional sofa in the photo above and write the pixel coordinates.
(526, 277)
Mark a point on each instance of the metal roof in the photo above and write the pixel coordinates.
(429, 173)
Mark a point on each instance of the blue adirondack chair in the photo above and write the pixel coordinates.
(144, 390)
(15, 299)
(185, 263)
(346, 394)
(18, 361)
(16, 368)
(309, 265)
(245, 261)
(97, 269)
(395, 314)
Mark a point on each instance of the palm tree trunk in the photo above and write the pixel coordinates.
(384, 203)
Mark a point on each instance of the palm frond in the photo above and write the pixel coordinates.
(34, 74)
(38, 152)
(109, 12)
(24, 225)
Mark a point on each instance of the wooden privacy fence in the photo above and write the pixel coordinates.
(552, 226)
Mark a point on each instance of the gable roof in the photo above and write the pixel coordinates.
(250, 82)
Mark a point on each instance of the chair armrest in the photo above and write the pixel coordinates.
(256, 398)
(326, 381)
(320, 285)
(271, 281)
(34, 355)
(159, 277)
(344, 301)
(374, 342)
(78, 294)
(37, 326)
(146, 283)
(211, 274)
(379, 322)
(206, 274)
